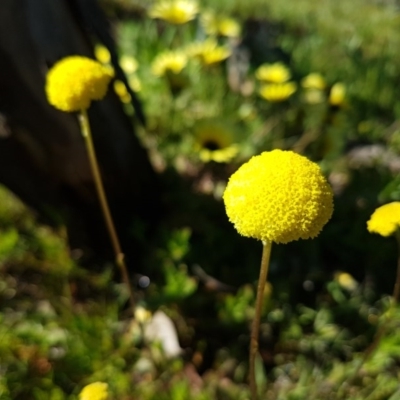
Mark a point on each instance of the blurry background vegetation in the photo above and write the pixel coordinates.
(65, 323)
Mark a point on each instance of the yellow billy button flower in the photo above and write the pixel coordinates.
(174, 11)
(94, 391)
(385, 220)
(278, 196)
(75, 81)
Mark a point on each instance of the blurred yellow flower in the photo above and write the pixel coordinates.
(73, 82)
(314, 96)
(129, 64)
(208, 52)
(276, 92)
(385, 220)
(122, 92)
(313, 81)
(102, 54)
(274, 73)
(174, 11)
(94, 391)
(278, 196)
(135, 83)
(215, 142)
(346, 281)
(142, 315)
(172, 61)
(219, 25)
(337, 94)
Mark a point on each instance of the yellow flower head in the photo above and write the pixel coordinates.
(346, 281)
(174, 11)
(208, 52)
(274, 73)
(215, 142)
(278, 196)
(276, 92)
(313, 81)
(385, 220)
(337, 94)
(216, 25)
(75, 81)
(169, 61)
(122, 92)
(94, 391)
(102, 54)
(129, 64)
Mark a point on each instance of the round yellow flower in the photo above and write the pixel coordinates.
(94, 391)
(385, 220)
(276, 92)
(275, 73)
(174, 11)
(313, 81)
(278, 196)
(346, 281)
(337, 95)
(102, 54)
(75, 81)
(129, 64)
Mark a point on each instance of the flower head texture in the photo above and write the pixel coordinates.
(385, 220)
(73, 82)
(94, 391)
(274, 73)
(278, 196)
(276, 92)
(176, 12)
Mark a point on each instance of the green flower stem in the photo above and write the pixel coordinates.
(119, 255)
(255, 327)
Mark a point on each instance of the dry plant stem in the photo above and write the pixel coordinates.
(119, 255)
(255, 327)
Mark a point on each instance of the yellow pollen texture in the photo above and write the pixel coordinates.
(278, 196)
(75, 81)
